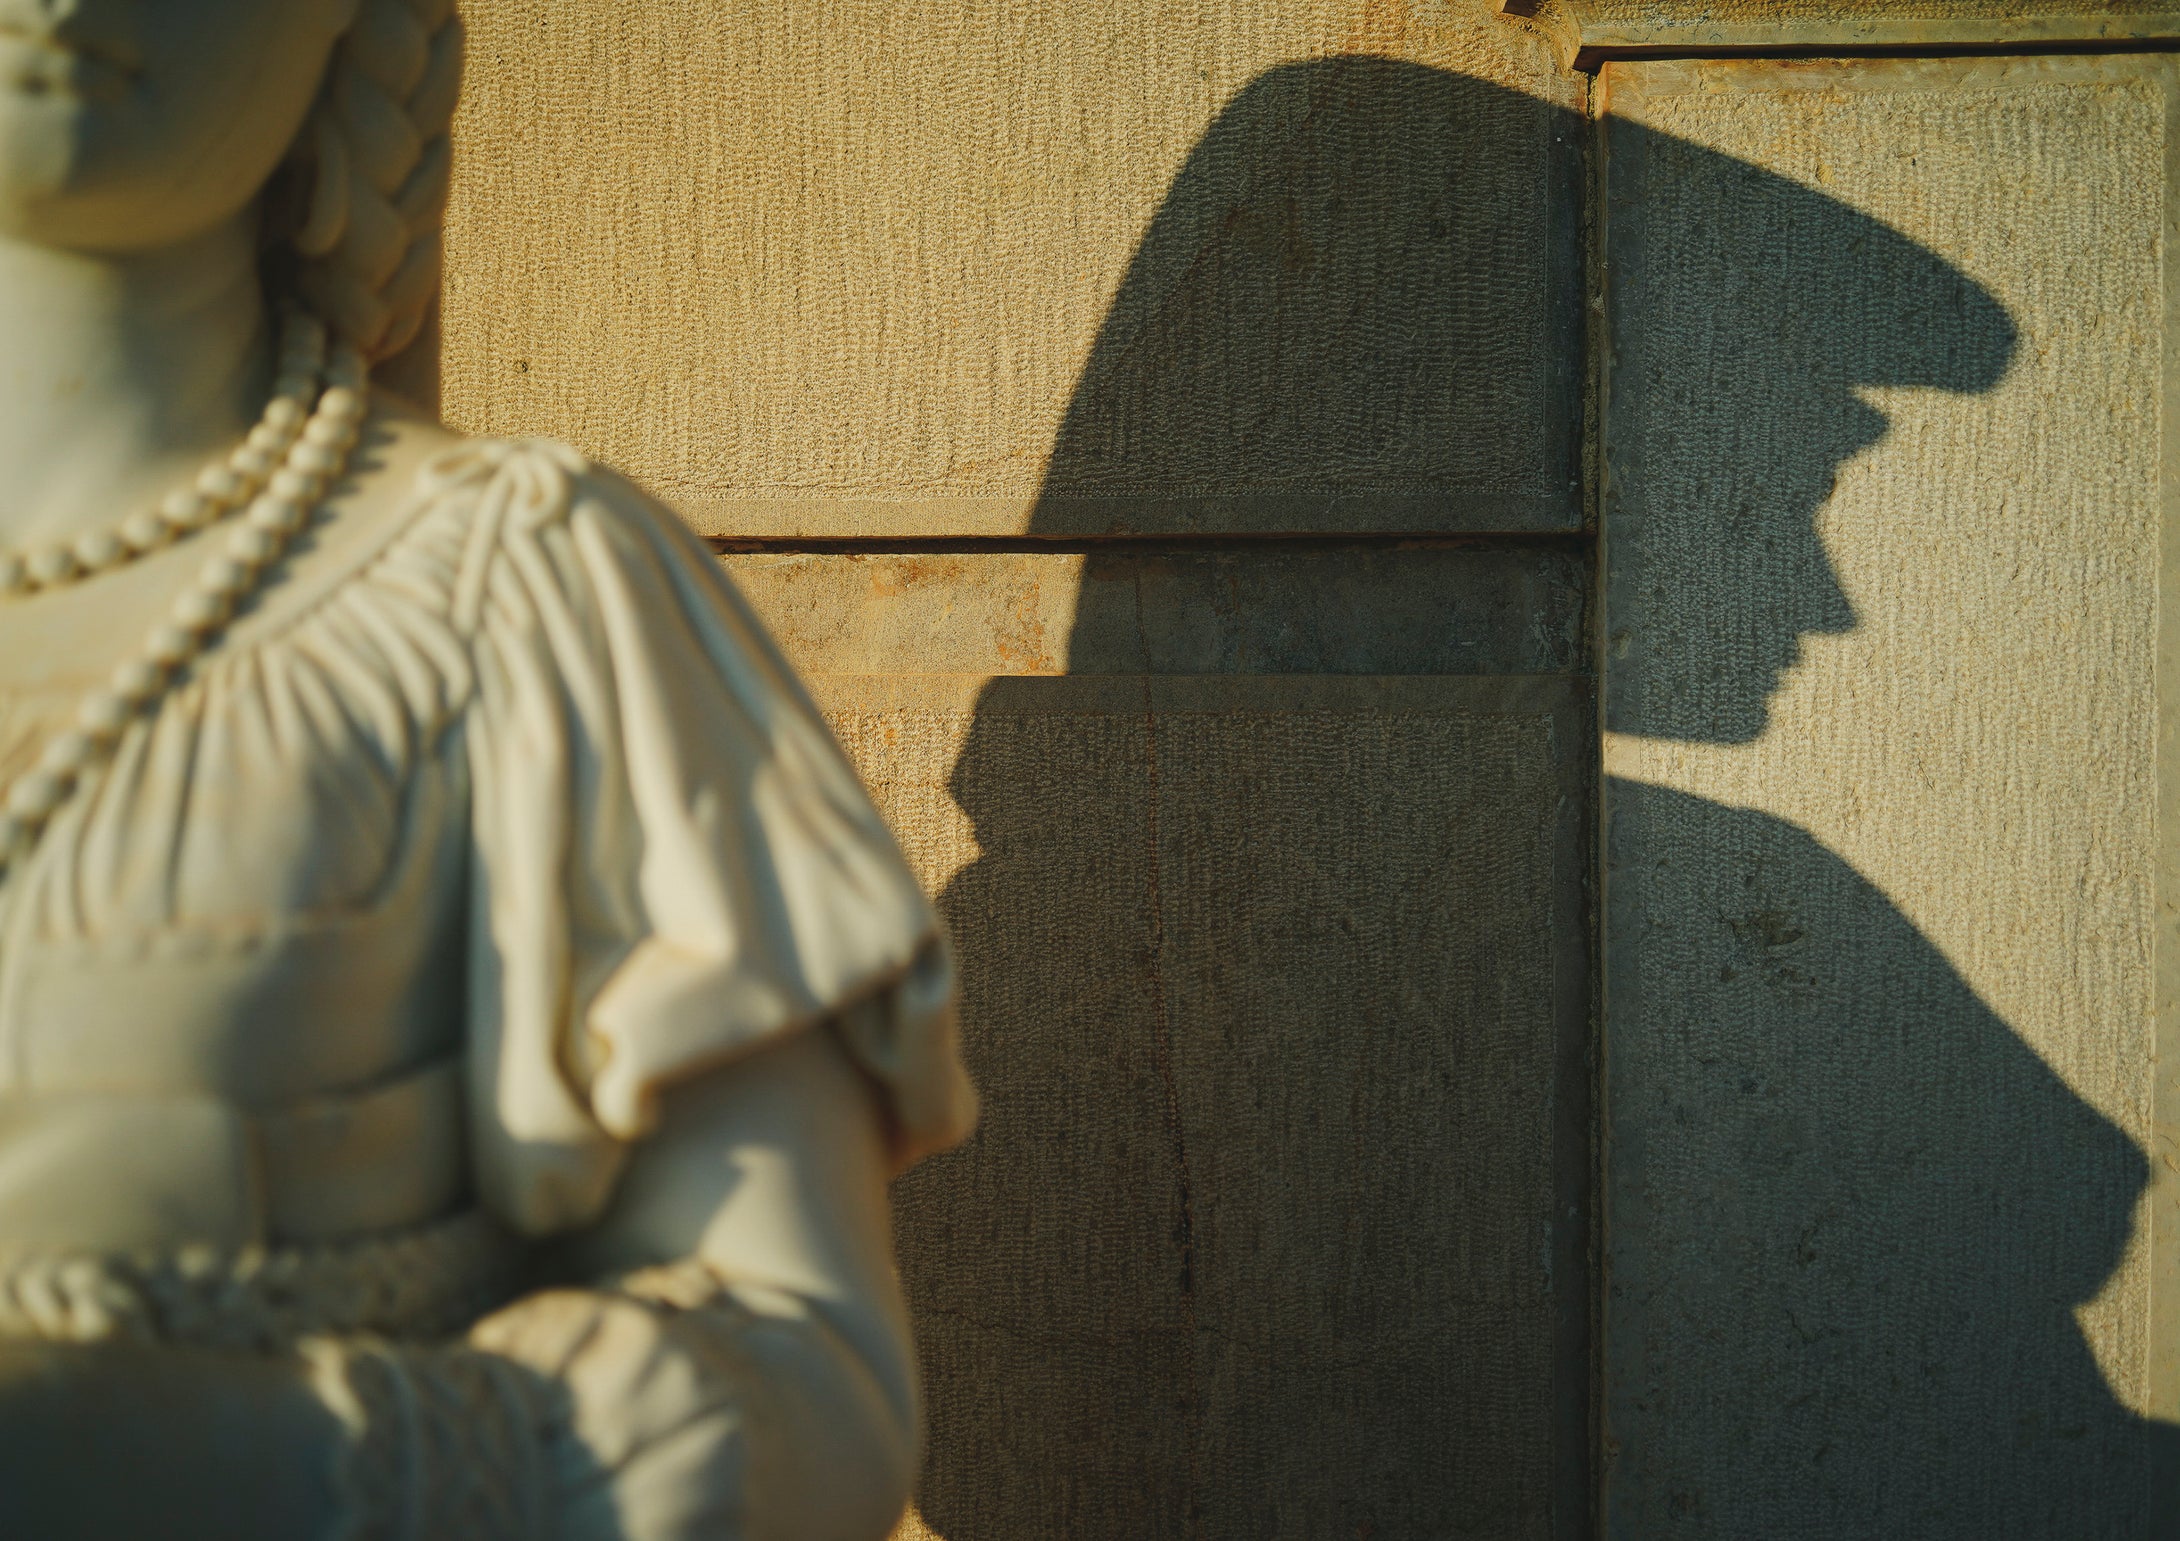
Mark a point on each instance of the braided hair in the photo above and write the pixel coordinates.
(376, 149)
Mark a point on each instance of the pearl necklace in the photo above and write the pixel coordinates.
(224, 485)
(315, 450)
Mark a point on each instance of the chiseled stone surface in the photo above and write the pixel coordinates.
(1273, 989)
(1266, 869)
(1886, 489)
(884, 268)
(1266, 865)
(1272, 945)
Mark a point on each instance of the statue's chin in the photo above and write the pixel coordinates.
(78, 178)
(143, 126)
(46, 149)
(57, 78)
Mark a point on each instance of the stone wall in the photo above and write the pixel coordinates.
(1888, 475)
(1157, 429)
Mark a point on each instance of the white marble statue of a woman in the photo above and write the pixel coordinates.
(458, 1010)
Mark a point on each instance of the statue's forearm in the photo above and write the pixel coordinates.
(777, 1344)
(665, 1409)
(649, 1405)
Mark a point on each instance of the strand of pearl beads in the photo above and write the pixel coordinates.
(315, 459)
(225, 485)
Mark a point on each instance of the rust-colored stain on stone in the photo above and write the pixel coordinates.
(936, 613)
(894, 576)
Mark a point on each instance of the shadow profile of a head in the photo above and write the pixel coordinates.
(1742, 387)
(1855, 1215)
(1852, 1213)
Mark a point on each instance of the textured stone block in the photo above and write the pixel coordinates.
(1412, 610)
(1888, 470)
(1276, 991)
(844, 267)
(1275, 985)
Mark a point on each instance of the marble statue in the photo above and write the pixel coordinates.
(459, 1011)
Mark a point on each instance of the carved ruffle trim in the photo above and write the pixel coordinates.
(423, 1284)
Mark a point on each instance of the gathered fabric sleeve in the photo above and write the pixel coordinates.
(673, 863)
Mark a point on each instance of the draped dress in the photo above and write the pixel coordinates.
(359, 969)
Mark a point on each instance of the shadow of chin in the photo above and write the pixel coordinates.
(1857, 1219)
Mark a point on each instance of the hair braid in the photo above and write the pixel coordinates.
(377, 143)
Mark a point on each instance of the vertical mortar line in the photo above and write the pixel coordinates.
(1598, 344)
(1162, 1055)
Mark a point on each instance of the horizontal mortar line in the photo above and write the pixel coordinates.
(1572, 541)
(1590, 58)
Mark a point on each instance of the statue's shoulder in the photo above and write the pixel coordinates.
(412, 473)
(435, 511)
(477, 507)
(519, 482)
(427, 508)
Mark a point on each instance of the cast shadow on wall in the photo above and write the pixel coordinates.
(1853, 1215)
(1856, 1305)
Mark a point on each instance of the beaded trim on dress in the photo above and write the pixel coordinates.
(422, 1284)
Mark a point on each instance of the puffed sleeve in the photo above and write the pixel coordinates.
(673, 863)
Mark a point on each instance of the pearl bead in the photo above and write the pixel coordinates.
(220, 485)
(313, 459)
(300, 441)
(252, 547)
(222, 579)
(172, 646)
(252, 465)
(100, 550)
(35, 796)
(292, 451)
(344, 402)
(202, 610)
(330, 433)
(137, 681)
(68, 755)
(104, 715)
(277, 516)
(144, 530)
(293, 486)
(55, 564)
